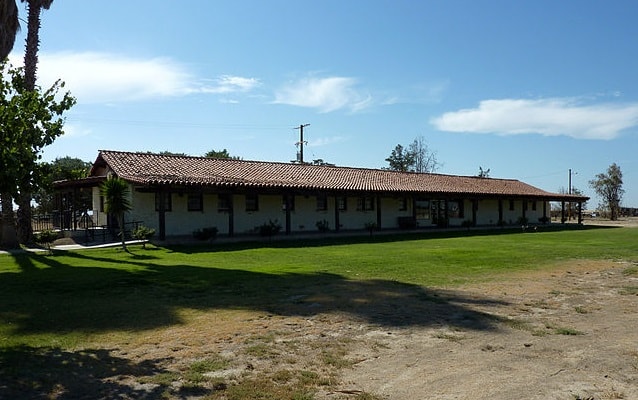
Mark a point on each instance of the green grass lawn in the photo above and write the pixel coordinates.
(71, 299)
(45, 298)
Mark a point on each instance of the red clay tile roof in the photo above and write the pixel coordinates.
(154, 169)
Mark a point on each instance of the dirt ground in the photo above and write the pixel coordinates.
(569, 333)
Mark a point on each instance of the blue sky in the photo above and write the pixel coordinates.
(528, 89)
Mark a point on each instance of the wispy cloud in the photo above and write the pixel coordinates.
(549, 117)
(324, 94)
(230, 84)
(95, 77)
(326, 141)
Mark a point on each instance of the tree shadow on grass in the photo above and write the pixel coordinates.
(63, 299)
(52, 373)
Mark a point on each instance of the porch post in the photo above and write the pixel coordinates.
(231, 216)
(562, 211)
(545, 210)
(337, 223)
(500, 211)
(474, 210)
(288, 216)
(162, 213)
(378, 200)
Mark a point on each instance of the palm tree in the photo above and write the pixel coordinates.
(116, 194)
(25, 230)
(9, 26)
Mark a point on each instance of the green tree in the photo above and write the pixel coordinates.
(400, 160)
(29, 121)
(609, 187)
(62, 168)
(416, 158)
(220, 154)
(116, 193)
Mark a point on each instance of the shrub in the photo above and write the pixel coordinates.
(206, 233)
(143, 233)
(46, 238)
(323, 225)
(269, 228)
(522, 221)
(370, 226)
(543, 220)
(467, 224)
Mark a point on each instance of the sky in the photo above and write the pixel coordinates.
(529, 89)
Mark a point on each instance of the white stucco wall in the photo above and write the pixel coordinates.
(304, 217)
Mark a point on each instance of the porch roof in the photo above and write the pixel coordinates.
(147, 169)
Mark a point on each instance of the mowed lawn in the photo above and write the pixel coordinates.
(83, 299)
(63, 298)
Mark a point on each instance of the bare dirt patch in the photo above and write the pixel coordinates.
(565, 333)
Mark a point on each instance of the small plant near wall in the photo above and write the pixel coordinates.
(323, 226)
(370, 227)
(544, 220)
(270, 228)
(143, 233)
(206, 233)
(467, 224)
(522, 221)
(46, 238)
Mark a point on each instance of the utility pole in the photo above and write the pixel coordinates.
(301, 142)
(569, 191)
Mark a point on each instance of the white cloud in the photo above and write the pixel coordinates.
(324, 94)
(231, 84)
(94, 77)
(548, 117)
(326, 141)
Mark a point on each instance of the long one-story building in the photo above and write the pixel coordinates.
(177, 195)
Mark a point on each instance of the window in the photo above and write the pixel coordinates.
(342, 203)
(322, 203)
(422, 209)
(403, 204)
(223, 202)
(365, 203)
(168, 203)
(455, 209)
(511, 205)
(291, 202)
(195, 202)
(252, 202)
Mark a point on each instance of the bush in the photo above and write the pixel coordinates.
(323, 225)
(467, 224)
(46, 238)
(206, 233)
(269, 228)
(522, 221)
(143, 233)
